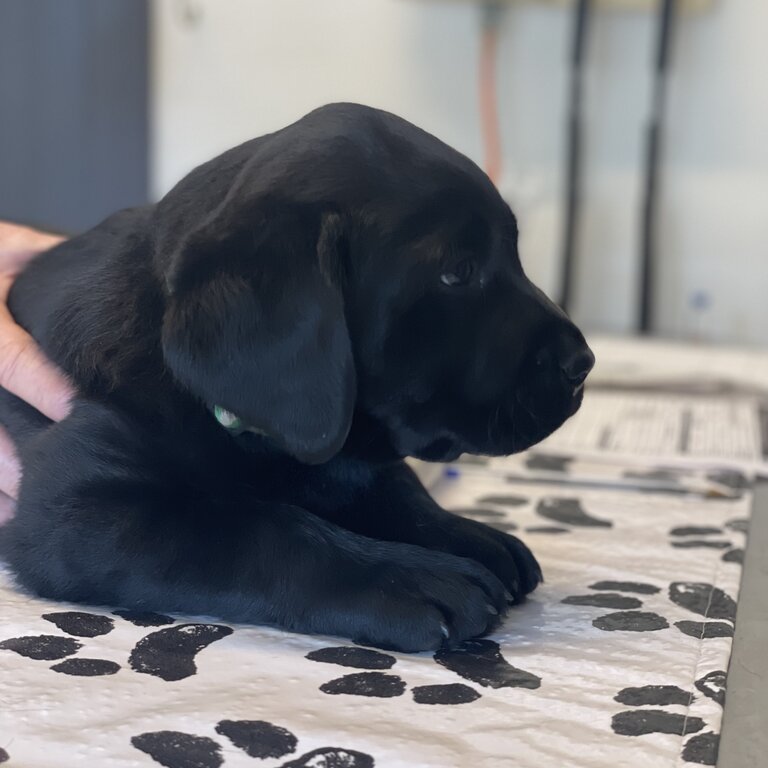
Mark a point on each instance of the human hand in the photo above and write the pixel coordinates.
(24, 370)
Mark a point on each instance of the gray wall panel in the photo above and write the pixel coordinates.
(73, 110)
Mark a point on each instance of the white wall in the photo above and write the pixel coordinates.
(241, 68)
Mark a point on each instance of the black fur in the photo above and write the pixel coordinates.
(350, 286)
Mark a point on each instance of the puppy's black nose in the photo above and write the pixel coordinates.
(576, 364)
(569, 357)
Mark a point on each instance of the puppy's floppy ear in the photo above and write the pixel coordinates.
(255, 324)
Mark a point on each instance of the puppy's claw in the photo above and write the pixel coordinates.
(491, 609)
(444, 629)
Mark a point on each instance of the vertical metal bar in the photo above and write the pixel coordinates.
(573, 158)
(648, 257)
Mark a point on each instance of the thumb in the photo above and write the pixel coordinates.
(25, 371)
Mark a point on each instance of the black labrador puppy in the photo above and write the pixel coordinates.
(256, 354)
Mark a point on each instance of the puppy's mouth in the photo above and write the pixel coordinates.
(528, 424)
(443, 449)
(537, 421)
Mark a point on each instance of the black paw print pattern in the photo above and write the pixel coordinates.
(608, 594)
(486, 511)
(257, 738)
(170, 653)
(646, 715)
(567, 511)
(712, 537)
(167, 653)
(561, 513)
(706, 600)
(479, 661)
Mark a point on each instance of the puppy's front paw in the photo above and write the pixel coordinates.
(420, 600)
(504, 555)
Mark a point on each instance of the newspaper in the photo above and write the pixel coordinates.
(669, 403)
(668, 429)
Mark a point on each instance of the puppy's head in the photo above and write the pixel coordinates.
(351, 268)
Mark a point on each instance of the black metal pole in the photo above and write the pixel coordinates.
(573, 155)
(652, 160)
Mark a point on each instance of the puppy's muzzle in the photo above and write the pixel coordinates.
(551, 385)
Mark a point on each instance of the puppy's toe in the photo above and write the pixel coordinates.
(503, 554)
(435, 601)
(527, 565)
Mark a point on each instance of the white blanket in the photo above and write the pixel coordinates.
(618, 660)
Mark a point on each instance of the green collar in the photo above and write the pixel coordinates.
(234, 424)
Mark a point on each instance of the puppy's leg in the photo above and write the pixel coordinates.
(392, 504)
(109, 514)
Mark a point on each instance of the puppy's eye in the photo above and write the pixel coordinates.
(459, 275)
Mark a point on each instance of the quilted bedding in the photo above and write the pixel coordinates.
(619, 659)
